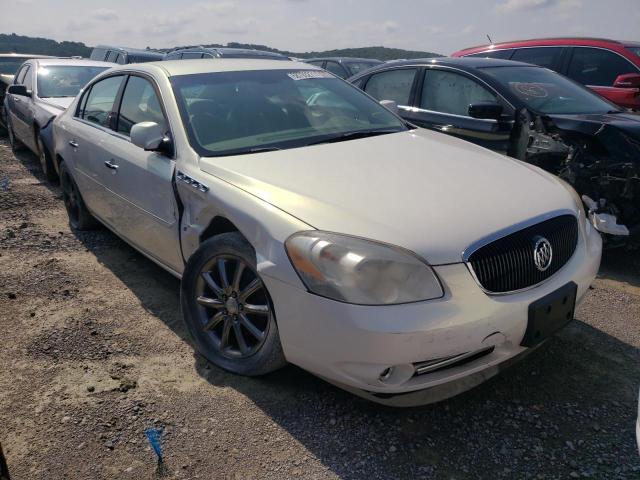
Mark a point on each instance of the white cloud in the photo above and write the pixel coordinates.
(520, 5)
(104, 14)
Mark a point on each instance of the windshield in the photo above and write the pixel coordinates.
(544, 91)
(64, 80)
(230, 113)
(357, 67)
(9, 66)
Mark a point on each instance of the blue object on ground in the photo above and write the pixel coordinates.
(154, 435)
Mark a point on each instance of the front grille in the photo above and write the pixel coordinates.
(507, 264)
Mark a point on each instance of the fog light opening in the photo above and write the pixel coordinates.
(385, 374)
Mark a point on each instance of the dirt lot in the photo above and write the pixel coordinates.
(93, 352)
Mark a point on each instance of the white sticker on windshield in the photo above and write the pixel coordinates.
(308, 74)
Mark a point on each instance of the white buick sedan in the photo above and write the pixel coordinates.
(311, 225)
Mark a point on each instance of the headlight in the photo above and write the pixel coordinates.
(364, 272)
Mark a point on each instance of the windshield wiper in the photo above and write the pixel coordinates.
(353, 136)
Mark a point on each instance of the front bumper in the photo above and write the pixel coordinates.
(374, 351)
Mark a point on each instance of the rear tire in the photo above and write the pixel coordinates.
(79, 216)
(230, 315)
(45, 161)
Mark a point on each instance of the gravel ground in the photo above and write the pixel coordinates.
(93, 352)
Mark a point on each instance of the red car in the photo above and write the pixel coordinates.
(609, 67)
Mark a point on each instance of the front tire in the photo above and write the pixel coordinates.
(79, 216)
(45, 161)
(227, 308)
(16, 145)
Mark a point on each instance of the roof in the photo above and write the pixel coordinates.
(463, 62)
(130, 51)
(230, 51)
(345, 59)
(571, 41)
(195, 66)
(23, 55)
(79, 62)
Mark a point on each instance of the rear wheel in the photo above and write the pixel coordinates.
(227, 308)
(79, 216)
(45, 161)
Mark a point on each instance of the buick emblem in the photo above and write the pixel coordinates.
(542, 253)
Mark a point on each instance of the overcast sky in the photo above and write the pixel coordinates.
(301, 25)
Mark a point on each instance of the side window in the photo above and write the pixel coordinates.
(501, 54)
(360, 82)
(98, 105)
(139, 104)
(28, 78)
(336, 69)
(98, 54)
(392, 85)
(207, 55)
(191, 55)
(317, 63)
(594, 66)
(173, 56)
(121, 59)
(452, 93)
(543, 56)
(20, 76)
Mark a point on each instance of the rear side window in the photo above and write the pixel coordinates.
(98, 54)
(594, 66)
(392, 85)
(99, 101)
(139, 104)
(112, 57)
(548, 57)
(501, 54)
(173, 56)
(336, 69)
(452, 93)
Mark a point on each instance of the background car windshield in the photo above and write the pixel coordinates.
(9, 66)
(545, 91)
(230, 113)
(64, 81)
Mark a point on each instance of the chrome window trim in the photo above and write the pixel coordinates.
(471, 249)
(465, 117)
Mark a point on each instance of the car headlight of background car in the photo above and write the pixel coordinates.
(354, 270)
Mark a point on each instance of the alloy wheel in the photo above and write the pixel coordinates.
(234, 308)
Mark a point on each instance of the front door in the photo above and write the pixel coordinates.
(140, 185)
(442, 104)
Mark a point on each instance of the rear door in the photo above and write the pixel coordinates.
(86, 143)
(442, 104)
(140, 183)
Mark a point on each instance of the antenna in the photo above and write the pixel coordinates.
(490, 41)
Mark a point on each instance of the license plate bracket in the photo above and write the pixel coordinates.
(549, 314)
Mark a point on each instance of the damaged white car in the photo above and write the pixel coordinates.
(311, 225)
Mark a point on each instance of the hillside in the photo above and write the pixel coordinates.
(44, 46)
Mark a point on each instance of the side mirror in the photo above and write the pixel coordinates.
(390, 105)
(148, 136)
(19, 90)
(628, 80)
(485, 110)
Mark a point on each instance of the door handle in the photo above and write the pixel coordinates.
(111, 165)
(73, 143)
(16, 99)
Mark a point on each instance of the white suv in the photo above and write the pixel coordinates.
(309, 224)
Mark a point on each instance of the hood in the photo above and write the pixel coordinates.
(421, 190)
(58, 104)
(618, 133)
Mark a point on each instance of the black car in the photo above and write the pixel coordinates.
(221, 52)
(124, 55)
(344, 67)
(530, 113)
